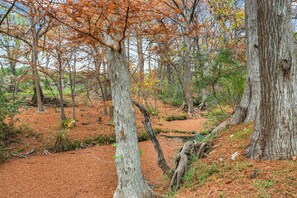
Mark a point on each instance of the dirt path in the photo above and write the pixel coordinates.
(183, 125)
(82, 173)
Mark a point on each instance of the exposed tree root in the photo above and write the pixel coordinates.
(190, 148)
(221, 127)
(202, 106)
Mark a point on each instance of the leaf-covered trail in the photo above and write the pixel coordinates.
(83, 173)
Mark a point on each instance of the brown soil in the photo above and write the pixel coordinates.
(183, 125)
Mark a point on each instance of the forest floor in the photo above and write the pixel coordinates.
(91, 172)
(86, 172)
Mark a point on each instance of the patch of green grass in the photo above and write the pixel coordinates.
(143, 136)
(153, 110)
(140, 152)
(207, 138)
(199, 173)
(217, 115)
(76, 144)
(158, 130)
(178, 117)
(189, 176)
(241, 166)
(243, 134)
(262, 186)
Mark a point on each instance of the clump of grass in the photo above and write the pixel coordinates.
(28, 132)
(3, 154)
(76, 145)
(153, 110)
(178, 117)
(8, 133)
(104, 140)
(158, 130)
(143, 136)
(62, 142)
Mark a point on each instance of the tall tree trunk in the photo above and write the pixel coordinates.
(103, 89)
(130, 178)
(169, 72)
(72, 80)
(188, 76)
(60, 88)
(35, 70)
(275, 135)
(140, 59)
(249, 105)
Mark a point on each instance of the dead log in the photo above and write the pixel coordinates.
(200, 149)
(149, 129)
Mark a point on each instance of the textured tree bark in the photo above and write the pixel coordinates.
(72, 80)
(275, 135)
(34, 67)
(249, 104)
(188, 76)
(140, 59)
(60, 87)
(103, 89)
(130, 178)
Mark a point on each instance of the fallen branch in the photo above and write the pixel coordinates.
(23, 155)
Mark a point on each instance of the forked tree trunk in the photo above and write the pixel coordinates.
(131, 182)
(249, 104)
(275, 135)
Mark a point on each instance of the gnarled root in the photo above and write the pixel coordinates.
(200, 149)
